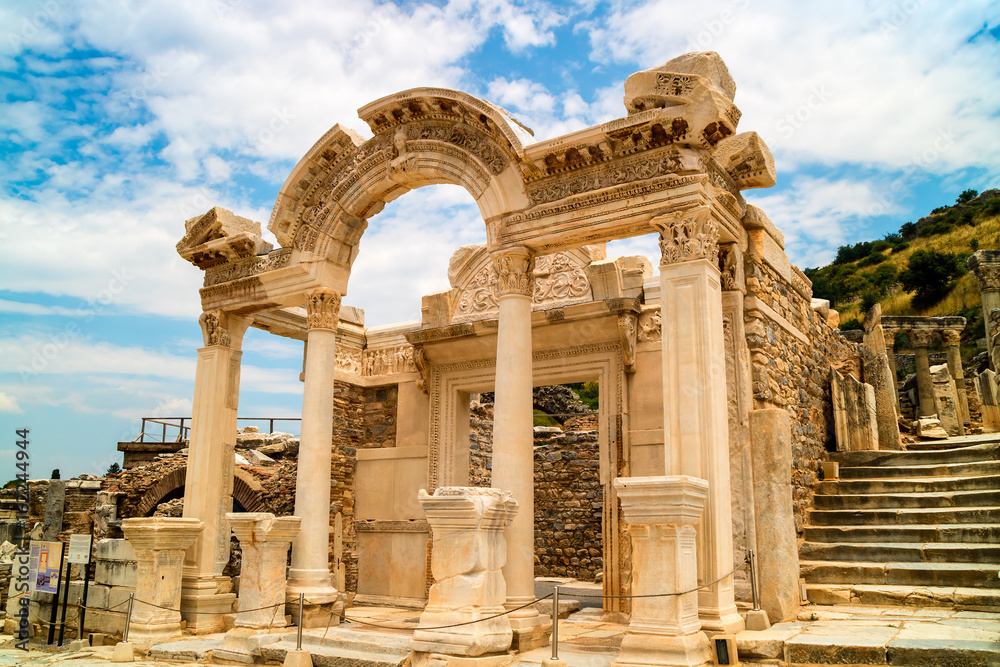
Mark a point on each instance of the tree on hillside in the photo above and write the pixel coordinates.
(930, 274)
(113, 469)
(967, 196)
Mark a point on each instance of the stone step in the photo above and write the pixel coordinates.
(900, 500)
(873, 517)
(938, 485)
(962, 533)
(341, 646)
(971, 454)
(904, 596)
(918, 471)
(951, 444)
(919, 552)
(968, 575)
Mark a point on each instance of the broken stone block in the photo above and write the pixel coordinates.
(854, 413)
(929, 427)
(258, 458)
(946, 400)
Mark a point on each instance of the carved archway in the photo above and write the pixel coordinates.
(246, 491)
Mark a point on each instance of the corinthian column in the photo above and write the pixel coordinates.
(695, 415)
(208, 484)
(921, 340)
(985, 264)
(952, 339)
(310, 570)
(513, 439)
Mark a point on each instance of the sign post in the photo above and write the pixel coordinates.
(49, 575)
(79, 552)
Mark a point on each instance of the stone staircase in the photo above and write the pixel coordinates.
(914, 528)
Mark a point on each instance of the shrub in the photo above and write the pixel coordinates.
(967, 196)
(930, 274)
(908, 231)
(873, 259)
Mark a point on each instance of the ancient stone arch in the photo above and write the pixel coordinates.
(246, 491)
(674, 165)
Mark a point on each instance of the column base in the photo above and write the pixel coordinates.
(729, 623)
(203, 606)
(243, 644)
(424, 659)
(640, 649)
(487, 637)
(142, 636)
(530, 633)
(315, 615)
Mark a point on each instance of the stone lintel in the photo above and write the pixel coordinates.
(896, 323)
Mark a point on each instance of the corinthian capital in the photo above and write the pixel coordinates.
(214, 329)
(986, 265)
(322, 309)
(920, 339)
(951, 337)
(688, 235)
(514, 268)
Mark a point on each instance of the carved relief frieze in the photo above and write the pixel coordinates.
(251, 266)
(688, 235)
(322, 309)
(388, 360)
(609, 174)
(423, 367)
(650, 326)
(678, 85)
(463, 136)
(241, 291)
(731, 267)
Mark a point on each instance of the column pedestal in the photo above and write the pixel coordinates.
(662, 515)
(920, 341)
(310, 570)
(513, 441)
(208, 486)
(159, 545)
(695, 408)
(469, 550)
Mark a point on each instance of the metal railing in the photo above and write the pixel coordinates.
(178, 429)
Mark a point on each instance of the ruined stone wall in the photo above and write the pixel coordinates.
(790, 373)
(363, 418)
(569, 500)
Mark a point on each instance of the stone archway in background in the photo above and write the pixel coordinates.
(246, 491)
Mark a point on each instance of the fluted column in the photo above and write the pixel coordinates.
(952, 339)
(695, 411)
(513, 438)
(890, 352)
(208, 484)
(921, 340)
(310, 570)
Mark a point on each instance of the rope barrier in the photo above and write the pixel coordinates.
(663, 595)
(454, 625)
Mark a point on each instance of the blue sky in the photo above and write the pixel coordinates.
(121, 119)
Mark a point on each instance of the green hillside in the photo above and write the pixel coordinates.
(919, 270)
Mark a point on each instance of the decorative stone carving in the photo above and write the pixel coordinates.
(322, 309)
(349, 360)
(213, 330)
(251, 266)
(854, 413)
(387, 361)
(650, 325)
(219, 237)
(627, 331)
(688, 235)
(662, 513)
(731, 266)
(420, 363)
(513, 269)
(469, 550)
(159, 545)
(746, 158)
(985, 264)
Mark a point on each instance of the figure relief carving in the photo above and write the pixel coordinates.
(627, 331)
(381, 361)
(322, 309)
(213, 330)
(513, 270)
(731, 266)
(688, 235)
(650, 326)
(608, 174)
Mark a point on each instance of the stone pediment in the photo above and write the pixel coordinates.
(560, 279)
(219, 237)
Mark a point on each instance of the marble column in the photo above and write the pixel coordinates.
(952, 339)
(310, 570)
(469, 551)
(159, 544)
(695, 414)
(208, 484)
(662, 514)
(920, 341)
(513, 439)
(985, 264)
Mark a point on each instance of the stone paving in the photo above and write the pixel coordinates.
(821, 635)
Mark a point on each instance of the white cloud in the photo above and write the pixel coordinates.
(9, 404)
